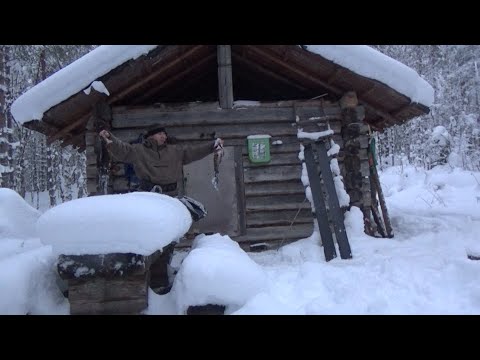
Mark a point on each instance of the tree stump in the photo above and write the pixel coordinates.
(106, 284)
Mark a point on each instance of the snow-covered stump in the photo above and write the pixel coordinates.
(108, 283)
(106, 246)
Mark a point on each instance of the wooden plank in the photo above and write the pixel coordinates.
(336, 214)
(225, 85)
(146, 116)
(120, 307)
(284, 148)
(278, 159)
(92, 171)
(296, 232)
(188, 133)
(277, 203)
(91, 159)
(91, 186)
(319, 203)
(272, 173)
(102, 289)
(275, 188)
(192, 106)
(277, 207)
(288, 143)
(279, 218)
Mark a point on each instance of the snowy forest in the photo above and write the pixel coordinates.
(450, 134)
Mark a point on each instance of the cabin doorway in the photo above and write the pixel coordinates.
(221, 205)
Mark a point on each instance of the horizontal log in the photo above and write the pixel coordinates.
(289, 143)
(277, 207)
(91, 159)
(364, 142)
(120, 307)
(275, 188)
(279, 218)
(115, 264)
(275, 159)
(91, 187)
(90, 151)
(294, 232)
(107, 289)
(92, 172)
(365, 168)
(142, 117)
(188, 133)
(291, 147)
(272, 174)
(165, 107)
(276, 203)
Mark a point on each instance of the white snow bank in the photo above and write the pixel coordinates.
(139, 223)
(217, 271)
(17, 217)
(371, 63)
(266, 304)
(73, 78)
(28, 283)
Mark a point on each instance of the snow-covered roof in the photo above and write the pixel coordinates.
(80, 75)
(366, 61)
(73, 78)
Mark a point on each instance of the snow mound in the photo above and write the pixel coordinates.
(217, 271)
(17, 217)
(139, 223)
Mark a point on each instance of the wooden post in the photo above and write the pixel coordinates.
(356, 169)
(225, 85)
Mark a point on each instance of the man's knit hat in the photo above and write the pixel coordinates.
(152, 130)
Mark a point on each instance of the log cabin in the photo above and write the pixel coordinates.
(200, 92)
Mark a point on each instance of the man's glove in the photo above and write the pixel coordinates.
(218, 145)
(105, 135)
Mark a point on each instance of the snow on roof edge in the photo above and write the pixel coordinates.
(366, 61)
(73, 78)
(80, 74)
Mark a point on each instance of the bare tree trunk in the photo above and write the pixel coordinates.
(6, 151)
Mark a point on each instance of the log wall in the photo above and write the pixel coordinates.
(273, 192)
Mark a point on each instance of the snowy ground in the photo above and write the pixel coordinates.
(423, 270)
